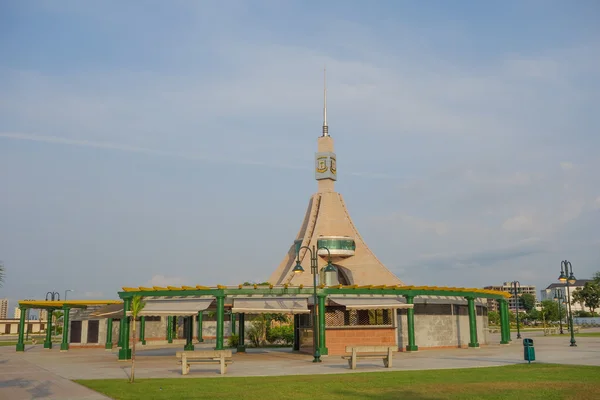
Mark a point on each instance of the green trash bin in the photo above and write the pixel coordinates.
(528, 350)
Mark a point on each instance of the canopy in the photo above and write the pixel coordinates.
(184, 306)
(279, 305)
(370, 303)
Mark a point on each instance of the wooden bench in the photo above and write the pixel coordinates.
(370, 352)
(221, 357)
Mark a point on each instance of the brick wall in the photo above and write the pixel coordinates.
(337, 339)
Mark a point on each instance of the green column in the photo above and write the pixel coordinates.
(189, 333)
(410, 319)
(296, 332)
(322, 344)
(472, 323)
(109, 328)
(143, 330)
(125, 351)
(20, 342)
(121, 331)
(504, 327)
(507, 321)
(241, 342)
(169, 329)
(48, 342)
(200, 316)
(64, 346)
(233, 323)
(220, 321)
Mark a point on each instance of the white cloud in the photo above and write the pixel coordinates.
(566, 166)
(163, 281)
(93, 294)
(519, 223)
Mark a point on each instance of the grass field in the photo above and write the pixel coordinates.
(535, 381)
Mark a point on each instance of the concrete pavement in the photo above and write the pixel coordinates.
(42, 374)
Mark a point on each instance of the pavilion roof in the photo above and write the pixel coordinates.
(49, 304)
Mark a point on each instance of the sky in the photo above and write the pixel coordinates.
(170, 143)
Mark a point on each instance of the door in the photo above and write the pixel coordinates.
(7, 329)
(75, 332)
(92, 333)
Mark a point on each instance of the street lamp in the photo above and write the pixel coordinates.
(314, 269)
(514, 283)
(68, 290)
(569, 278)
(559, 298)
(54, 296)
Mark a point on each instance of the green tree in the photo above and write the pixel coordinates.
(596, 277)
(527, 301)
(137, 305)
(534, 315)
(493, 317)
(589, 296)
(57, 317)
(550, 310)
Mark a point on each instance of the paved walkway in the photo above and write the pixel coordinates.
(43, 374)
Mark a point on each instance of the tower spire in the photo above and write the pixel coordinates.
(325, 127)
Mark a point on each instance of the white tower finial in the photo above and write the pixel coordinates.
(325, 127)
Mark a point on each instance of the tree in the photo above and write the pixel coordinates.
(550, 310)
(527, 301)
(137, 305)
(57, 317)
(493, 317)
(589, 296)
(596, 277)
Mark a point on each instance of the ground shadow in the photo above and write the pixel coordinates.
(41, 390)
(18, 382)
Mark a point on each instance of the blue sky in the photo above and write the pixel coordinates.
(172, 142)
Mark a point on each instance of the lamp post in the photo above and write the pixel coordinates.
(314, 269)
(569, 278)
(559, 298)
(68, 290)
(514, 283)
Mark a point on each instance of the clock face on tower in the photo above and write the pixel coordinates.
(321, 164)
(332, 167)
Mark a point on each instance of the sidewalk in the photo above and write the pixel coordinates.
(41, 374)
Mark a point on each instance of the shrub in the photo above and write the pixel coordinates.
(233, 340)
(284, 333)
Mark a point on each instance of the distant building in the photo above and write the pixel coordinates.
(560, 290)
(43, 315)
(3, 308)
(17, 313)
(512, 302)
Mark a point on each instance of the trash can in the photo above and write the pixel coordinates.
(528, 350)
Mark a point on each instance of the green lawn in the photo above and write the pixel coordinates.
(535, 381)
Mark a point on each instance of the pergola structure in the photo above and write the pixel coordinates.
(50, 307)
(189, 301)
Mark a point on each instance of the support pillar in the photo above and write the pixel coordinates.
(200, 317)
(20, 341)
(121, 330)
(472, 323)
(241, 342)
(322, 344)
(504, 327)
(169, 329)
(233, 323)
(296, 332)
(64, 346)
(109, 328)
(48, 342)
(410, 318)
(125, 351)
(189, 333)
(507, 319)
(220, 321)
(143, 330)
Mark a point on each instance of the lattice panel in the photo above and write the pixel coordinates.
(341, 317)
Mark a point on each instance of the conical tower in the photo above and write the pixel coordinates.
(327, 223)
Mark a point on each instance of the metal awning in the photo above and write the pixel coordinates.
(184, 306)
(370, 303)
(279, 305)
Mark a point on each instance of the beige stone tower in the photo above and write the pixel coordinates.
(327, 223)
